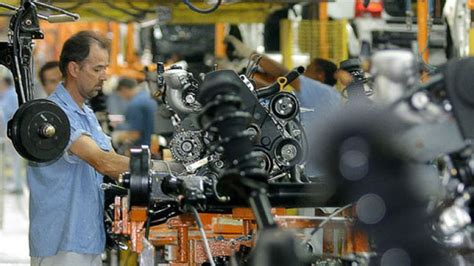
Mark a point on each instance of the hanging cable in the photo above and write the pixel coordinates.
(202, 11)
(136, 16)
(203, 234)
(216, 193)
(252, 65)
(429, 67)
(147, 224)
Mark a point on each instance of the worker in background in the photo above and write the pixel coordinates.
(8, 96)
(116, 105)
(8, 107)
(314, 89)
(344, 77)
(66, 201)
(139, 115)
(50, 76)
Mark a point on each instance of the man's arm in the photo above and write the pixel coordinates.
(270, 66)
(106, 163)
(277, 70)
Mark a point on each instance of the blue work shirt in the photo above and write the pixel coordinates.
(9, 105)
(317, 101)
(116, 104)
(66, 202)
(140, 116)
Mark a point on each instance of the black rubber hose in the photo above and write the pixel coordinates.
(275, 87)
(203, 11)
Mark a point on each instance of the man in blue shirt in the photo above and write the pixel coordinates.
(50, 76)
(8, 97)
(8, 107)
(66, 202)
(139, 115)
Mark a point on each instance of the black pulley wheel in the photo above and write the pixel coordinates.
(39, 130)
(284, 105)
(266, 159)
(140, 181)
(288, 152)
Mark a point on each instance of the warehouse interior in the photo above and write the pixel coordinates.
(236, 132)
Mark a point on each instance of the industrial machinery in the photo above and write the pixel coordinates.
(39, 129)
(274, 127)
(359, 89)
(442, 104)
(369, 160)
(237, 153)
(171, 193)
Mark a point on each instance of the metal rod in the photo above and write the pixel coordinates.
(43, 17)
(57, 9)
(261, 208)
(7, 6)
(183, 244)
(323, 30)
(422, 20)
(316, 218)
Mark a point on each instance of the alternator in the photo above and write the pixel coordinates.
(187, 146)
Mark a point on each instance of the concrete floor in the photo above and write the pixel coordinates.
(14, 248)
(14, 229)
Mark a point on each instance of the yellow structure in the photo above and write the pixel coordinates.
(307, 40)
(471, 41)
(172, 11)
(334, 48)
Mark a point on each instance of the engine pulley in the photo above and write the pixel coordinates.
(288, 152)
(187, 146)
(284, 105)
(138, 180)
(266, 159)
(39, 130)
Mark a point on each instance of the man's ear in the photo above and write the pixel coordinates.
(73, 68)
(321, 76)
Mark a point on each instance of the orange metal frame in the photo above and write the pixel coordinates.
(422, 14)
(323, 30)
(56, 34)
(226, 232)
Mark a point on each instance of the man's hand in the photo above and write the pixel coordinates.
(241, 49)
(344, 77)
